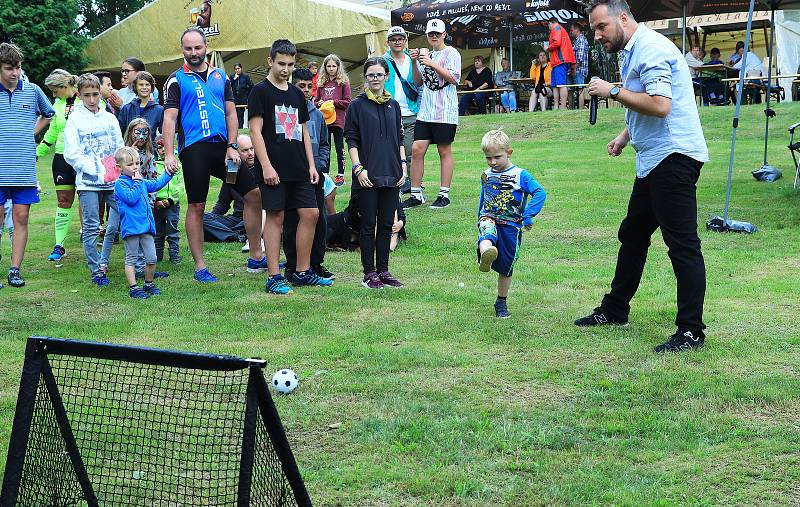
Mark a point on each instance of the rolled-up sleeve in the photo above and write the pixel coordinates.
(655, 73)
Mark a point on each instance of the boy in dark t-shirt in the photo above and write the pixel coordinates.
(284, 158)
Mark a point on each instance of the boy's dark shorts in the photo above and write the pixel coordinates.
(436, 133)
(202, 160)
(288, 195)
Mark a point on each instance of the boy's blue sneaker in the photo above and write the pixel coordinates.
(310, 279)
(277, 285)
(138, 293)
(15, 279)
(151, 289)
(254, 266)
(204, 276)
(100, 280)
(501, 310)
(160, 274)
(58, 253)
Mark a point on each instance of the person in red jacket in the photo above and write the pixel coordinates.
(562, 57)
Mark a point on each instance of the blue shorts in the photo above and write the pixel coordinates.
(558, 77)
(507, 239)
(19, 195)
(577, 79)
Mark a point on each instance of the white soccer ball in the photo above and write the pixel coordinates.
(285, 381)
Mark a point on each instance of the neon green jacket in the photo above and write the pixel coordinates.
(55, 132)
(174, 189)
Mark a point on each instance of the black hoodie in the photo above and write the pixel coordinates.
(376, 130)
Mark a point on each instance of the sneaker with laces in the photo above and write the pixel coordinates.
(309, 279)
(151, 289)
(100, 279)
(14, 278)
(254, 266)
(599, 317)
(387, 279)
(204, 276)
(501, 310)
(339, 180)
(441, 201)
(57, 254)
(372, 281)
(278, 285)
(681, 341)
(487, 258)
(138, 293)
(413, 202)
(323, 272)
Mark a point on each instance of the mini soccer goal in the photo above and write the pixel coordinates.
(109, 425)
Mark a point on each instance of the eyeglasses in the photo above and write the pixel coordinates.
(125, 71)
(397, 40)
(375, 77)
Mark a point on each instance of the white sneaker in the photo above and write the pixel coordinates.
(246, 247)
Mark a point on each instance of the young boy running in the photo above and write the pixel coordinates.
(510, 198)
(284, 156)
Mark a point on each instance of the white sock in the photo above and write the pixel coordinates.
(444, 191)
(417, 192)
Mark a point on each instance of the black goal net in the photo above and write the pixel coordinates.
(108, 425)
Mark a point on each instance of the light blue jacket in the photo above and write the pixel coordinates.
(390, 81)
(133, 204)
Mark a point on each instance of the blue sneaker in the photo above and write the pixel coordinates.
(100, 280)
(310, 279)
(151, 289)
(138, 293)
(254, 266)
(277, 285)
(501, 310)
(160, 274)
(204, 276)
(58, 253)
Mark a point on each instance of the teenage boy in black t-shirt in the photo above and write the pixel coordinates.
(278, 113)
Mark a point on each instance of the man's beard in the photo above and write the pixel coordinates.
(618, 42)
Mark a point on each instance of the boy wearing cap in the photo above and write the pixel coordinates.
(401, 84)
(437, 119)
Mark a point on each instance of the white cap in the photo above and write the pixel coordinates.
(435, 25)
(396, 30)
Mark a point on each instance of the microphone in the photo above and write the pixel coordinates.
(593, 109)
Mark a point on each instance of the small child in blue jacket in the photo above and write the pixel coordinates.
(137, 224)
(510, 198)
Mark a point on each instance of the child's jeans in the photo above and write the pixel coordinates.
(167, 229)
(90, 222)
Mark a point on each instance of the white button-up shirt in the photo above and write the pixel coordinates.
(652, 64)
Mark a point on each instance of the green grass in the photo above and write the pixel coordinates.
(442, 405)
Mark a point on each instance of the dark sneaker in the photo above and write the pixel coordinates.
(682, 340)
(278, 285)
(323, 272)
(204, 276)
(14, 278)
(309, 279)
(339, 180)
(160, 274)
(254, 266)
(176, 259)
(600, 318)
(100, 279)
(371, 281)
(413, 202)
(501, 310)
(57, 254)
(151, 289)
(440, 202)
(405, 188)
(487, 258)
(387, 279)
(138, 293)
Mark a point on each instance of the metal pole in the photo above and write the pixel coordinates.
(739, 88)
(683, 46)
(768, 112)
(511, 44)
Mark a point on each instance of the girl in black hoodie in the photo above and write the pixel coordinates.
(374, 132)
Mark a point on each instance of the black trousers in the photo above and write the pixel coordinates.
(376, 206)
(290, 222)
(338, 142)
(240, 115)
(666, 198)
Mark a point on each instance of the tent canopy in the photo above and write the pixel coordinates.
(650, 10)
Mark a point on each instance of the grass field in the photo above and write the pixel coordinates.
(442, 405)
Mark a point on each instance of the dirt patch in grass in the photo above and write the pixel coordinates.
(534, 393)
(767, 414)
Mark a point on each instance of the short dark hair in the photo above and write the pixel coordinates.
(481, 58)
(143, 75)
(282, 46)
(194, 29)
(577, 25)
(237, 64)
(10, 54)
(714, 51)
(739, 45)
(302, 75)
(102, 74)
(615, 7)
(137, 64)
(376, 60)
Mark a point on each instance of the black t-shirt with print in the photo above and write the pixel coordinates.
(284, 112)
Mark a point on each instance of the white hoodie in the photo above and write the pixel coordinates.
(90, 141)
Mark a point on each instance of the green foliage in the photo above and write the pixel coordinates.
(97, 16)
(45, 31)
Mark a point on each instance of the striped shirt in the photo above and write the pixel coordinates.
(19, 111)
(581, 48)
(439, 102)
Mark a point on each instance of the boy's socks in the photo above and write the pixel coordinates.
(63, 219)
(417, 192)
(501, 299)
(444, 191)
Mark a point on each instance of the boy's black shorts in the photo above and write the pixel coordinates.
(202, 160)
(436, 133)
(288, 195)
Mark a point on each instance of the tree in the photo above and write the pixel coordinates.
(45, 31)
(96, 16)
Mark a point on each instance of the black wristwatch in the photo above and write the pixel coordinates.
(235, 146)
(614, 92)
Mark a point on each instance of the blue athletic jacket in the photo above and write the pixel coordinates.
(133, 204)
(202, 106)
